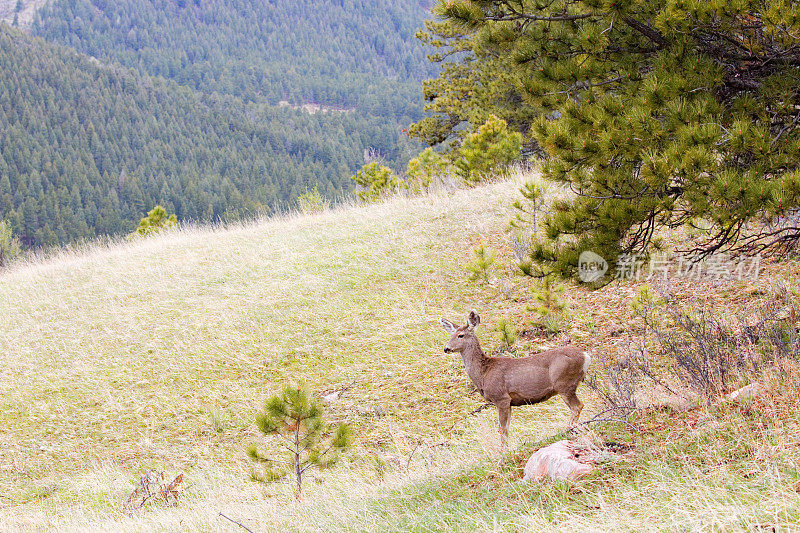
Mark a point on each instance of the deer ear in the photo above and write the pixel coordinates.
(448, 326)
(473, 319)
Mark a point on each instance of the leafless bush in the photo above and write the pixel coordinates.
(682, 347)
(153, 485)
(614, 381)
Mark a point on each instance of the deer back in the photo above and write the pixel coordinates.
(535, 378)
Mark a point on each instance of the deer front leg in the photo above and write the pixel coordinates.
(504, 413)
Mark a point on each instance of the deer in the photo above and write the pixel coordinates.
(514, 381)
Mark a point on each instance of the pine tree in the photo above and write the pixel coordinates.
(548, 305)
(654, 114)
(9, 245)
(483, 264)
(424, 169)
(488, 151)
(508, 337)
(157, 220)
(305, 438)
(474, 83)
(375, 180)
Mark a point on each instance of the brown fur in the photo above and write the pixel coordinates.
(512, 381)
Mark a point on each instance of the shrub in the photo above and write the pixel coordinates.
(698, 349)
(375, 180)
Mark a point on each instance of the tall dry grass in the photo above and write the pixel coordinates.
(157, 353)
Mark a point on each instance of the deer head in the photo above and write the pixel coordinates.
(463, 336)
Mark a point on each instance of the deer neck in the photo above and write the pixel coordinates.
(474, 360)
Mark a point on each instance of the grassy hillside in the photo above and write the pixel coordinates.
(158, 353)
(124, 357)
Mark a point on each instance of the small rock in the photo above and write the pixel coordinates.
(746, 393)
(331, 396)
(556, 461)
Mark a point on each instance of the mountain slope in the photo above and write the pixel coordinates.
(157, 354)
(87, 148)
(359, 55)
(148, 343)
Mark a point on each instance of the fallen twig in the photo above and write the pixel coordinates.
(235, 522)
(621, 421)
(599, 418)
(479, 409)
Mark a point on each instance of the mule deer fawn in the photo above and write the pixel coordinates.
(507, 381)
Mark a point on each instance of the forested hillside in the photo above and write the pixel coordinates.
(86, 148)
(335, 52)
(177, 103)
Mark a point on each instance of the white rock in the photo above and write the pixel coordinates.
(746, 393)
(331, 396)
(556, 461)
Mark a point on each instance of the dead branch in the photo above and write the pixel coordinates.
(237, 523)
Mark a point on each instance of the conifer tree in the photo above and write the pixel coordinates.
(488, 151)
(9, 245)
(474, 82)
(655, 115)
(375, 180)
(424, 169)
(483, 264)
(157, 220)
(299, 421)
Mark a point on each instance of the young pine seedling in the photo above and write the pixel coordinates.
(298, 422)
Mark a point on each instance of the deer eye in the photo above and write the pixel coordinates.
(460, 335)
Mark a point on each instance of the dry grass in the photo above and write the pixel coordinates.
(157, 354)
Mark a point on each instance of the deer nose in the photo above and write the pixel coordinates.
(447, 350)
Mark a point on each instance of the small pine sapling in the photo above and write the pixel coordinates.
(375, 180)
(425, 169)
(508, 337)
(299, 422)
(9, 244)
(527, 209)
(481, 267)
(549, 306)
(312, 201)
(488, 151)
(524, 224)
(156, 221)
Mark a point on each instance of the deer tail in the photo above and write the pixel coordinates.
(587, 360)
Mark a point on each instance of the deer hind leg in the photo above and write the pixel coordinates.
(504, 414)
(574, 404)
